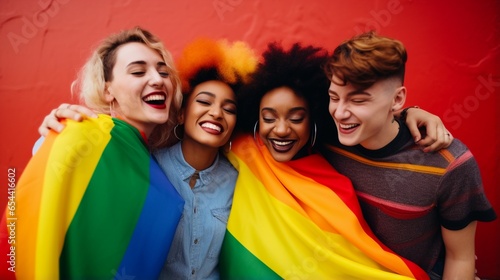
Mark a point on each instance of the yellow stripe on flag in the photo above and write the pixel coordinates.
(79, 146)
(286, 229)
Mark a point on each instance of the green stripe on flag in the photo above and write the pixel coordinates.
(105, 220)
(236, 262)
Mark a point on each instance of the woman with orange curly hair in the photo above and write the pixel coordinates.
(212, 72)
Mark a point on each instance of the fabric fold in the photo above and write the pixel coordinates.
(92, 204)
(300, 220)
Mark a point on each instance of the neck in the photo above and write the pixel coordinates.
(144, 129)
(198, 156)
(383, 137)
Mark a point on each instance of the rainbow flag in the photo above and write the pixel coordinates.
(92, 203)
(300, 220)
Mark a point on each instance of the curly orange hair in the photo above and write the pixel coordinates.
(207, 59)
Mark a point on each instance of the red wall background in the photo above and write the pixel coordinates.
(453, 67)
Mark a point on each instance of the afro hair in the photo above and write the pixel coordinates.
(299, 68)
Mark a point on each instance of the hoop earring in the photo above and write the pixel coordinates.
(255, 130)
(112, 109)
(313, 136)
(227, 149)
(175, 132)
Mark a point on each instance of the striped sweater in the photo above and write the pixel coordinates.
(407, 195)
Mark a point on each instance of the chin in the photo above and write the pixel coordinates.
(159, 119)
(281, 157)
(347, 142)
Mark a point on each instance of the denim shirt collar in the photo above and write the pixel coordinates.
(185, 170)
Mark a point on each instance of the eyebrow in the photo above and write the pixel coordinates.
(142, 62)
(355, 92)
(292, 110)
(213, 95)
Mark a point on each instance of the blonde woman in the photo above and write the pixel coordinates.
(93, 203)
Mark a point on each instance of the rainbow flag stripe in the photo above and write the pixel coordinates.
(300, 220)
(92, 203)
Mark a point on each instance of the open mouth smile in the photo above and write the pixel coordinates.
(282, 146)
(156, 100)
(347, 128)
(212, 128)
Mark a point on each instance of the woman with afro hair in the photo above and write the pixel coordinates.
(293, 215)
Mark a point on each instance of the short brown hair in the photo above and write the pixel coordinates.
(365, 59)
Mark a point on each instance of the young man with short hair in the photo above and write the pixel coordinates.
(424, 206)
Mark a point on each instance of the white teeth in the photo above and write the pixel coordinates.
(282, 143)
(211, 126)
(154, 97)
(347, 126)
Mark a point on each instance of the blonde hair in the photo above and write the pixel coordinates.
(91, 82)
(365, 59)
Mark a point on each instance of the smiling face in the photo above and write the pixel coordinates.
(366, 116)
(284, 123)
(209, 117)
(140, 87)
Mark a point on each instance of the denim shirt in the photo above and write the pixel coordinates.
(194, 253)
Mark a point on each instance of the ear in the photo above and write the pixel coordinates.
(399, 98)
(180, 117)
(107, 93)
